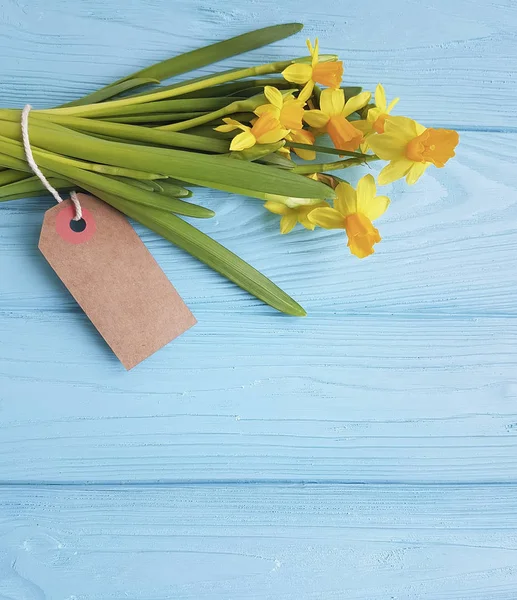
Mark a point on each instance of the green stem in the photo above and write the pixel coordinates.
(133, 133)
(228, 89)
(333, 166)
(215, 172)
(176, 105)
(325, 149)
(103, 169)
(235, 107)
(153, 118)
(96, 110)
(10, 176)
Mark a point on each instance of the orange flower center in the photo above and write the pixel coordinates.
(263, 125)
(291, 115)
(362, 235)
(433, 146)
(328, 73)
(378, 124)
(343, 134)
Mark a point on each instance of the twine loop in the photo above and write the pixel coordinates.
(37, 171)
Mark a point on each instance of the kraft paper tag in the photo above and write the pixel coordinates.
(114, 278)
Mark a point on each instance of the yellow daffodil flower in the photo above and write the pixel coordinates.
(411, 148)
(293, 215)
(377, 115)
(328, 73)
(332, 117)
(265, 130)
(294, 210)
(302, 136)
(354, 212)
(287, 109)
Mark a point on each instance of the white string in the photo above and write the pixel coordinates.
(37, 171)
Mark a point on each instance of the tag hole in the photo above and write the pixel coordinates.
(78, 226)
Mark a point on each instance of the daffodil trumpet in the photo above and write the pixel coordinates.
(145, 148)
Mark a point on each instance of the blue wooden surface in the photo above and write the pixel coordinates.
(366, 452)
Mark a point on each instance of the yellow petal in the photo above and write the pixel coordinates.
(287, 222)
(315, 118)
(304, 211)
(416, 171)
(225, 128)
(304, 220)
(396, 169)
(291, 114)
(306, 93)
(273, 96)
(267, 129)
(231, 125)
(298, 73)
(388, 146)
(380, 98)
(328, 218)
(242, 141)
(363, 125)
(267, 108)
(346, 199)
(366, 191)
(332, 101)
(314, 51)
(403, 126)
(355, 103)
(375, 207)
(272, 136)
(277, 208)
(391, 105)
(302, 136)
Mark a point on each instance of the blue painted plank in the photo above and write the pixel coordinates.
(451, 62)
(239, 397)
(403, 374)
(259, 542)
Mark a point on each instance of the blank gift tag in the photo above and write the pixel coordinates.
(114, 278)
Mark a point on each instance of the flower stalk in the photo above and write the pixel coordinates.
(144, 148)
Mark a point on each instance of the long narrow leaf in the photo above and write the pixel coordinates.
(211, 171)
(111, 91)
(207, 250)
(195, 59)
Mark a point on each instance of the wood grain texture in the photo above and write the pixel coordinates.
(268, 542)
(365, 452)
(325, 398)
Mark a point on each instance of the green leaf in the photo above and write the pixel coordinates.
(256, 152)
(166, 118)
(135, 133)
(325, 149)
(195, 59)
(207, 250)
(111, 91)
(210, 171)
(29, 185)
(9, 176)
(351, 91)
(176, 105)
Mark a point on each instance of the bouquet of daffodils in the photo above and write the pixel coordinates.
(253, 131)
